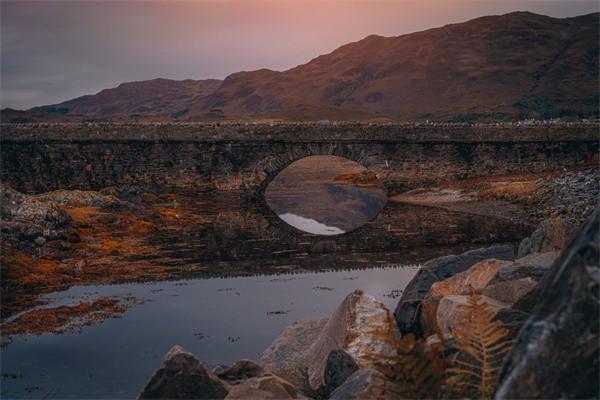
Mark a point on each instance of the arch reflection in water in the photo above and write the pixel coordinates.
(326, 195)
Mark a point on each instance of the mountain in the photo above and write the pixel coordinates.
(496, 67)
(152, 97)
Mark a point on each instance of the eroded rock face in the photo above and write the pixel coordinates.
(183, 376)
(362, 327)
(556, 354)
(409, 308)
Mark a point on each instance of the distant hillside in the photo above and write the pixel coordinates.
(498, 67)
(154, 97)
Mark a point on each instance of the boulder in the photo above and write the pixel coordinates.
(241, 370)
(451, 312)
(532, 266)
(510, 292)
(557, 352)
(285, 356)
(550, 235)
(476, 277)
(183, 376)
(340, 365)
(366, 383)
(408, 310)
(268, 386)
(361, 326)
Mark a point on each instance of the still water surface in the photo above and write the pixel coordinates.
(219, 320)
(328, 232)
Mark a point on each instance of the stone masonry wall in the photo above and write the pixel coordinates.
(32, 163)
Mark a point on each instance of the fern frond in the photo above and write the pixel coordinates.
(482, 344)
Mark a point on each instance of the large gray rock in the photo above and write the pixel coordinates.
(285, 356)
(556, 354)
(183, 376)
(361, 326)
(366, 383)
(340, 365)
(533, 266)
(408, 310)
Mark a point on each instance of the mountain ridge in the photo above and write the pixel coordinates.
(516, 65)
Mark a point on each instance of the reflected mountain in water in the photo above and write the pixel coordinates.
(326, 195)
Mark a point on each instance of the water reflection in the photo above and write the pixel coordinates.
(310, 225)
(219, 320)
(326, 195)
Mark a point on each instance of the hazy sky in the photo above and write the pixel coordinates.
(53, 51)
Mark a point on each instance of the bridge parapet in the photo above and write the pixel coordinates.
(301, 132)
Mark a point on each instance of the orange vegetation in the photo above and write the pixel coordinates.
(66, 318)
(114, 247)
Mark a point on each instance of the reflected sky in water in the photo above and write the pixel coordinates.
(219, 320)
(326, 195)
(310, 225)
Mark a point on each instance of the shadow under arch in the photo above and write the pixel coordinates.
(269, 167)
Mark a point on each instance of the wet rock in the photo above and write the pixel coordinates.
(285, 356)
(361, 326)
(408, 311)
(366, 383)
(264, 387)
(183, 376)
(557, 352)
(340, 365)
(241, 370)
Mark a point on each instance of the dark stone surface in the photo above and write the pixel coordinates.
(556, 354)
(241, 370)
(408, 310)
(340, 365)
(365, 383)
(183, 376)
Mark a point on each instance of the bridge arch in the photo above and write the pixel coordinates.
(267, 168)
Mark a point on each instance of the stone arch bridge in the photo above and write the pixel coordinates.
(246, 157)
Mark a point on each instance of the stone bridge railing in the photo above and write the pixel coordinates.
(246, 157)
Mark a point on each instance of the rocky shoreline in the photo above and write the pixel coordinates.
(544, 299)
(351, 353)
